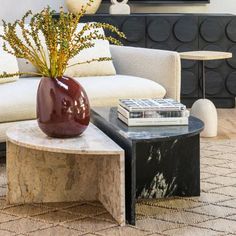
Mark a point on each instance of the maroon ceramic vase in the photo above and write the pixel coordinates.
(62, 107)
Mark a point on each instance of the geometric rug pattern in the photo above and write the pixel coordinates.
(213, 213)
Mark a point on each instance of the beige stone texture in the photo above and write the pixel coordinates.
(205, 55)
(43, 173)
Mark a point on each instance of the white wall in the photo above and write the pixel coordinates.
(215, 6)
(14, 9)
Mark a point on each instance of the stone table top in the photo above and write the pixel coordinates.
(92, 141)
(107, 117)
(205, 55)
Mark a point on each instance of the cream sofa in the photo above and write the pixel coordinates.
(141, 73)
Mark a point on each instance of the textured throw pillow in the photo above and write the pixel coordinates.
(26, 66)
(100, 49)
(8, 63)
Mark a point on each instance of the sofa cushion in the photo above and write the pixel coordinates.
(18, 100)
(106, 90)
(100, 49)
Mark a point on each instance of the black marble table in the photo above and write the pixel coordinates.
(160, 161)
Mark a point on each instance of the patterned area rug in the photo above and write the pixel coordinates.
(214, 213)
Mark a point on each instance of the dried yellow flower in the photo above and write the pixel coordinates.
(62, 41)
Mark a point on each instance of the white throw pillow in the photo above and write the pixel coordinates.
(100, 49)
(8, 63)
(26, 66)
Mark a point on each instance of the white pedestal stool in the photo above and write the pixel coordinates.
(203, 108)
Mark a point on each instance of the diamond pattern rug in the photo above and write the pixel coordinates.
(213, 213)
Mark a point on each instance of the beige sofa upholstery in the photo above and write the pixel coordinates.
(102, 91)
(142, 73)
(163, 67)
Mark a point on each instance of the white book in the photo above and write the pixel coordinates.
(166, 104)
(151, 113)
(153, 121)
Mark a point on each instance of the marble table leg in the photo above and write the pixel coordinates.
(168, 168)
(37, 176)
(111, 190)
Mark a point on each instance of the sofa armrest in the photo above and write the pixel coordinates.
(161, 66)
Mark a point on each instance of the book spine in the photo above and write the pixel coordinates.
(123, 111)
(151, 114)
(154, 121)
(130, 109)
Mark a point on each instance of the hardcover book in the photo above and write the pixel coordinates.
(151, 104)
(151, 113)
(153, 121)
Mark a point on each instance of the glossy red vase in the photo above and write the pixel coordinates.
(62, 107)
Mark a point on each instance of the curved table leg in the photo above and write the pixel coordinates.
(205, 110)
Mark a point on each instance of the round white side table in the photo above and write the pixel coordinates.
(203, 108)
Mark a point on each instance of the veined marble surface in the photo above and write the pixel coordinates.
(92, 141)
(86, 168)
(107, 117)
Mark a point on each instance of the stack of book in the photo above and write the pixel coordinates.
(152, 112)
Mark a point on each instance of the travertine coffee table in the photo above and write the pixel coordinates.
(86, 168)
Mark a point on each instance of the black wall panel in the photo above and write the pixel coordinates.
(134, 27)
(180, 32)
(217, 33)
(177, 33)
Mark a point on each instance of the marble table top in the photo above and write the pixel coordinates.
(92, 141)
(205, 55)
(107, 117)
